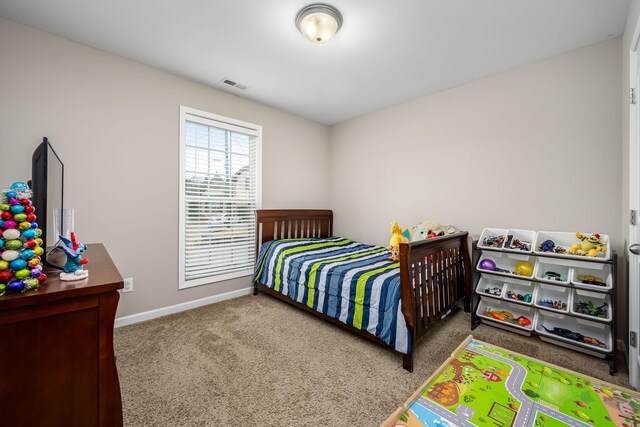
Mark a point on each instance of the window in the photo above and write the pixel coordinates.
(219, 193)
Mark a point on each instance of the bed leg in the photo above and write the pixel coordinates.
(407, 361)
(255, 288)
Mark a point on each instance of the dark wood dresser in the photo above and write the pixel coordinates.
(57, 366)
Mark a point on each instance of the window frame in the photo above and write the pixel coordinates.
(222, 122)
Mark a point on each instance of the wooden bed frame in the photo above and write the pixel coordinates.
(441, 268)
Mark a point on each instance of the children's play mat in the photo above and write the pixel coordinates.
(484, 385)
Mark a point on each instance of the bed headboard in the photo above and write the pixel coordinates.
(292, 224)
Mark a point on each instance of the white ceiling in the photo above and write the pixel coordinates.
(387, 52)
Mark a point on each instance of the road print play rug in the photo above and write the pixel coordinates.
(484, 385)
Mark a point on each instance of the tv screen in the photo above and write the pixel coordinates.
(47, 183)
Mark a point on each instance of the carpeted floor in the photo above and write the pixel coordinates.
(256, 361)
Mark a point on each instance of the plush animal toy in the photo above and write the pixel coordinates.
(429, 229)
(394, 242)
(590, 245)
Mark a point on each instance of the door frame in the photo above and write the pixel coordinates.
(633, 231)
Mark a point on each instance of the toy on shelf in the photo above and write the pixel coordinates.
(552, 275)
(575, 336)
(493, 291)
(507, 317)
(557, 305)
(518, 297)
(524, 268)
(487, 264)
(591, 280)
(73, 268)
(589, 246)
(394, 242)
(20, 243)
(550, 246)
(589, 309)
(517, 244)
(493, 241)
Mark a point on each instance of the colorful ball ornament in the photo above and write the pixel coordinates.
(15, 286)
(29, 234)
(31, 283)
(13, 244)
(3, 265)
(12, 194)
(4, 206)
(38, 251)
(31, 217)
(42, 278)
(25, 202)
(6, 215)
(16, 209)
(35, 273)
(10, 255)
(24, 225)
(21, 274)
(30, 244)
(32, 263)
(20, 217)
(13, 201)
(27, 209)
(5, 276)
(38, 232)
(9, 224)
(27, 254)
(11, 234)
(17, 264)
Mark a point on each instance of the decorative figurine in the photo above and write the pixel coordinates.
(20, 243)
(73, 268)
(575, 336)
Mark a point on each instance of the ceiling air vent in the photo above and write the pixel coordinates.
(234, 84)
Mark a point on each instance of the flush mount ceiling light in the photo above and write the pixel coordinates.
(319, 22)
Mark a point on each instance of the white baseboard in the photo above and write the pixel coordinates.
(152, 314)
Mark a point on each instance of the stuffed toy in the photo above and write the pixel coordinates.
(429, 229)
(394, 242)
(590, 245)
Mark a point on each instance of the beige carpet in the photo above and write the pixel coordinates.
(256, 361)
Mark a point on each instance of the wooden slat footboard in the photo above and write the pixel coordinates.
(435, 275)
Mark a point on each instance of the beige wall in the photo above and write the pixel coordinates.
(536, 147)
(115, 124)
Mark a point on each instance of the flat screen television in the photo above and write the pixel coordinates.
(47, 184)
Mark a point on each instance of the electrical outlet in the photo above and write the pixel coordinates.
(128, 284)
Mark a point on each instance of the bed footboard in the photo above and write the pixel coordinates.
(435, 276)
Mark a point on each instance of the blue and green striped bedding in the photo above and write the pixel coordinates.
(349, 281)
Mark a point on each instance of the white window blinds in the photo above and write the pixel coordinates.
(220, 188)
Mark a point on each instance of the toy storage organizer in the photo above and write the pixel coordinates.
(566, 297)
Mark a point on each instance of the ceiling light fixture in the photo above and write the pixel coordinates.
(319, 22)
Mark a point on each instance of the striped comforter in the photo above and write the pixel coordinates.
(346, 280)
